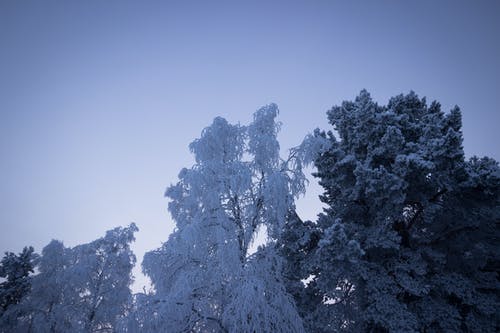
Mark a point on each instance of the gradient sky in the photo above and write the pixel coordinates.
(100, 99)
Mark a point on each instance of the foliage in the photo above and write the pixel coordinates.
(16, 269)
(204, 276)
(409, 241)
(80, 289)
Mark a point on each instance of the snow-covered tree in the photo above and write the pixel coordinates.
(297, 247)
(204, 278)
(101, 273)
(46, 301)
(15, 270)
(409, 241)
(80, 289)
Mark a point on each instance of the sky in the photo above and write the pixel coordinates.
(100, 99)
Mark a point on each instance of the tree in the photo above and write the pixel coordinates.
(101, 275)
(47, 302)
(15, 269)
(204, 277)
(80, 289)
(409, 240)
(297, 247)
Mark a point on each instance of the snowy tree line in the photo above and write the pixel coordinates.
(408, 241)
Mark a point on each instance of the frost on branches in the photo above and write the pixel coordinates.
(409, 241)
(16, 269)
(80, 289)
(204, 278)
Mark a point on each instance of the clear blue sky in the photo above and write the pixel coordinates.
(99, 99)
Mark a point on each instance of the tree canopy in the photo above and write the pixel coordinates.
(408, 241)
(204, 276)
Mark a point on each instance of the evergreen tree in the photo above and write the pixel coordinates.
(409, 241)
(297, 247)
(16, 269)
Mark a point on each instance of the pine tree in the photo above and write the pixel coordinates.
(16, 270)
(409, 241)
(297, 247)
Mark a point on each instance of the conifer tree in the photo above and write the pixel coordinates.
(16, 270)
(409, 240)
